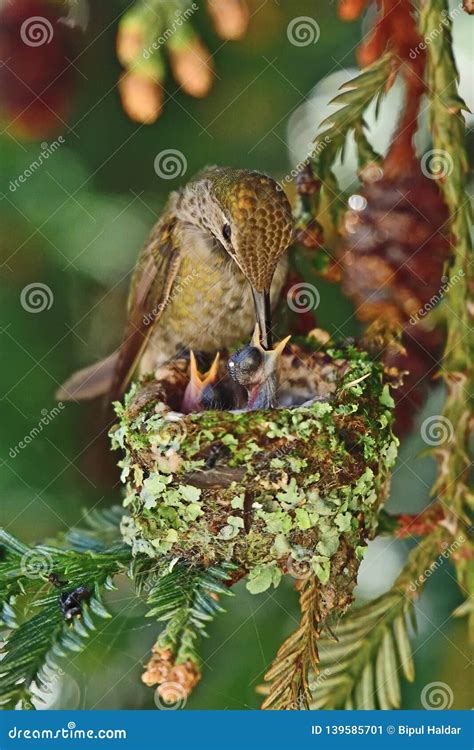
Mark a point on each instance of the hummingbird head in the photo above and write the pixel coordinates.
(250, 216)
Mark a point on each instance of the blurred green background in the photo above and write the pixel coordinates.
(76, 225)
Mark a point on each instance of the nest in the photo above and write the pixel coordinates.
(295, 489)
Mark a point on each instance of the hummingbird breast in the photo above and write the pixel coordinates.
(210, 306)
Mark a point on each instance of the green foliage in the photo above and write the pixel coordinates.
(354, 99)
(362, 664)
(330, 143)
(35, 631)
(101, 532)
(186, 599)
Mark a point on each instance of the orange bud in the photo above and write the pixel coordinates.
(142, 97)
(230, 17)
(130, 43)
(192, 67)
(349, 10)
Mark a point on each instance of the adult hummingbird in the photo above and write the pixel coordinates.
(203, 277)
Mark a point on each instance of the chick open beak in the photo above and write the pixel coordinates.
(197, 383)
(263, 315)
(271, 355)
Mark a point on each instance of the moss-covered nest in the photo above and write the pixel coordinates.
(291, 490)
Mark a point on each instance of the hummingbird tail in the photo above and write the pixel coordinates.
(90, 382)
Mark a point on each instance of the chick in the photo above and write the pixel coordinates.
(199, 392)
(256, 369)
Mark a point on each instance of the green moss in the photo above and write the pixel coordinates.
(291, 485)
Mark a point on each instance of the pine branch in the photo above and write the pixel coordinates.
(101, 532)
(187, 600)
(38, 627)
(289, 674)
(362, 668)
(449, 154)
(330, 143)
(355, 97)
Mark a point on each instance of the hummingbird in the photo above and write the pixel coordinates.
(210, 267)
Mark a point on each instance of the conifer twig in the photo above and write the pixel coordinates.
(297, 656)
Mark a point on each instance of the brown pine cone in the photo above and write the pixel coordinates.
(396, 246)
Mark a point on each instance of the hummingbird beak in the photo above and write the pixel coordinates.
(263, 315)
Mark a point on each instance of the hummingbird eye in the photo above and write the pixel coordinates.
(226, 232)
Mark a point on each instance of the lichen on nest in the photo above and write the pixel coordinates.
(289, 490)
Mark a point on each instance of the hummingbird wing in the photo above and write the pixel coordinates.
(152, 283)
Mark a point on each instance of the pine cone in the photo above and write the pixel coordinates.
(395, 247)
